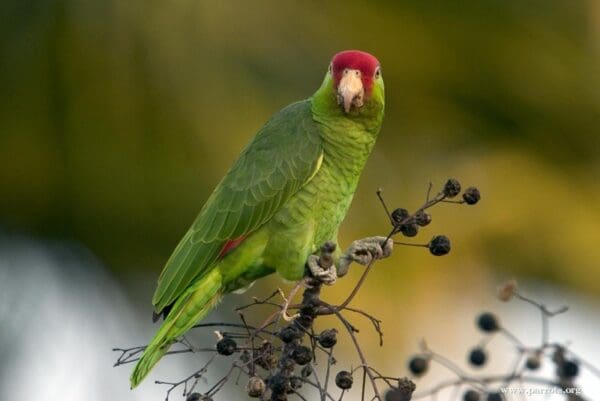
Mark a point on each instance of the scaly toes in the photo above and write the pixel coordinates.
(363, 251)
(326, 276)
(329, 276)
(360, 254)
(386, 245)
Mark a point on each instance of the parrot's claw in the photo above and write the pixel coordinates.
(364, 251)
(289, 318)
(326, 276)
(286, 305)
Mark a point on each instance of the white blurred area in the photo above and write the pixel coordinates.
(61, 313)
(453, 333)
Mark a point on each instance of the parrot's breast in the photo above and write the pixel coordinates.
(313, 215)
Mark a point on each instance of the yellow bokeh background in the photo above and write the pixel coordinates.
(117, 119)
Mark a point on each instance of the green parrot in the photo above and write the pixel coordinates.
(286, 194)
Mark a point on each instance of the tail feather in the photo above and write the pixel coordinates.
(191, 307)
(152, 354)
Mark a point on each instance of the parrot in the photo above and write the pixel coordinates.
(285, 196)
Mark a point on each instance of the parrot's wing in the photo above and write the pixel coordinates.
(285, 154)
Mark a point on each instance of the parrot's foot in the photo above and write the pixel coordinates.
(364, 251)
(322, 272)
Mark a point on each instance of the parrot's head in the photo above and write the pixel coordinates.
(353, 84)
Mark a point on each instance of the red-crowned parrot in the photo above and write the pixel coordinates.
(286, 194)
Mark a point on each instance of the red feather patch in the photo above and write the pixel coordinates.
(230, 245)
(366, 63)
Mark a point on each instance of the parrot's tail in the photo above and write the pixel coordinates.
(191, 307)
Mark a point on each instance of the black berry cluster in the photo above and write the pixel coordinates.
(278, 356)
(530, 358)
(288, 366)
(408, 224)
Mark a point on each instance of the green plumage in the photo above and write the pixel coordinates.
(285, 195)
(273, 167)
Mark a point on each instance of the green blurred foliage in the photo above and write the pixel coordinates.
(117, 118)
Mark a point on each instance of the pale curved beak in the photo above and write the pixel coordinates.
(351, 90)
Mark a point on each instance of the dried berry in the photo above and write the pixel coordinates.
(198, 397)
(471, 395)
(406, 385)
(488, 322)
(477, 357)
(401, 393)
(308, 310)
(568, 369)
(471, 196)
(495, 397)
(393, 394)
(289, 333)
(422, 218)
(296, 382)
(306, 371)
(439, 245)
(255, 387)
(398, 215)
(451, 188)
(226, 346)
(327, 338)
(533, 362)
(265, 357)
(245, 357)
(344, 380)
(304, 321)
(279, 383)
(286, 363)
(302, 355)
(409, 230)
(418, 365)
(507, 290)
(194, 397)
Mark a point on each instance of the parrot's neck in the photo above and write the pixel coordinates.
(346, 145)
(347, 142)
(327, 111)
(347, 137)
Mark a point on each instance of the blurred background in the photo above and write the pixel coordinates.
(117, 119)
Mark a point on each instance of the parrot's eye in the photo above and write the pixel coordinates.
(377, 72)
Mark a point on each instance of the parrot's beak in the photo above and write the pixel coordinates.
(350, 89)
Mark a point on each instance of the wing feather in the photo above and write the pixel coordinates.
(284, 156)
